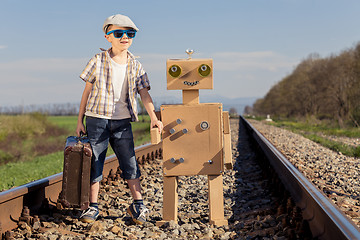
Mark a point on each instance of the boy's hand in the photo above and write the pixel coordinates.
(157, 124)
(80, 129)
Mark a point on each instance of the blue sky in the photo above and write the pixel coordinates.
(44, 45)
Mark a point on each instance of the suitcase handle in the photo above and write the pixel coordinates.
(76, 139)
(83, 137)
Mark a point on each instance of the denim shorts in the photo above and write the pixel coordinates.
(118, 133)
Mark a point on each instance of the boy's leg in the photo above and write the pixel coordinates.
(99, 139)
(137, 209)
(135, 188)
(94, 192)
(122, 143)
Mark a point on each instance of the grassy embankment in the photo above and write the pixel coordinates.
(318, 131)
(31, 146)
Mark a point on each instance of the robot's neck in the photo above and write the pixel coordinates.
(190, 96)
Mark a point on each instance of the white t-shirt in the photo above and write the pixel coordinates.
(120, 87)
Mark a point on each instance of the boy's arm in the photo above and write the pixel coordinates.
(149, 106)
(80, 124)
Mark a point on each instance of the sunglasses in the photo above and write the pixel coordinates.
(119, 33)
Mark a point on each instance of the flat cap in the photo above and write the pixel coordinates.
(120, 21)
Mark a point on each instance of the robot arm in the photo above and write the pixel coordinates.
(155, 136)
(154, 132)
(227, 141)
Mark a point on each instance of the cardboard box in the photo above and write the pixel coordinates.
(192, 139)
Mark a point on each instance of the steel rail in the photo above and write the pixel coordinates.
(326, 220)
(33, 194)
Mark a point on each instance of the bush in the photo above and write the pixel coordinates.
(5, 157)
(23, 137)
(24, 126)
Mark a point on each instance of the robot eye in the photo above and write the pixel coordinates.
(204, 70)
(174, 71)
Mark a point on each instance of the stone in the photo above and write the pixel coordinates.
(96, 227)
(115, 229)
(36, 225)
(53, 237)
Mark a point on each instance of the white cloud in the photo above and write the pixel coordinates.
(3, 46)
(41, 80)
(266, 60)
(45, 65)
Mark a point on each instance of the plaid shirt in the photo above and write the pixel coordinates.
(101, 99)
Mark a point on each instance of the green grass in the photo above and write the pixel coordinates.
(335, 146)
(313, 131)
(67, 122)
(258, 118)
(324, 128)
(21, 172)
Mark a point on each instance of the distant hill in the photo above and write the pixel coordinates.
(237, 103)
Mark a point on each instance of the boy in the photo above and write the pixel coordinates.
(113, 78)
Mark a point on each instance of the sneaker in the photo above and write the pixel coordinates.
(89, 215)
(138, 213)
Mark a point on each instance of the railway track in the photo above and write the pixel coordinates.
(325, 219)
(265, 197)
(20, 203)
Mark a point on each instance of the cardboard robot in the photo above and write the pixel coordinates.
(196, 137)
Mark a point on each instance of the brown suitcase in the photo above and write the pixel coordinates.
(76, 173)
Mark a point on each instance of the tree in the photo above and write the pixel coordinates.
(248, 110)
(318, 87)
(233, 112)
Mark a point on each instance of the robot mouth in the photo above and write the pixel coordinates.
(191, 83)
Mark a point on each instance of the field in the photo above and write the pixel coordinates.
(321, 131)
(31, 146)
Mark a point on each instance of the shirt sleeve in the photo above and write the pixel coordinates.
(88, 74)
(142, 80)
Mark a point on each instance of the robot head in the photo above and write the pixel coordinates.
(189, 74)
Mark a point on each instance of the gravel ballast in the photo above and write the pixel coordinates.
(337, 175)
